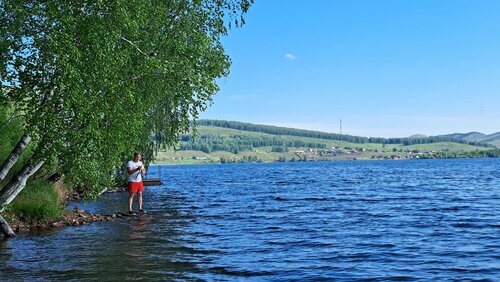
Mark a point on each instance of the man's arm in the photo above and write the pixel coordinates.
(132, 171)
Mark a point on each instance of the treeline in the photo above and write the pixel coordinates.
(275, 130)
(495, 153)
(239, 143)
(426, 140)
(244, 159)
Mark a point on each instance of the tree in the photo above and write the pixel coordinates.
(97, 80)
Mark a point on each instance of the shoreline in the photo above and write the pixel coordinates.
(70, 217)
(76, 217)
(312, 161)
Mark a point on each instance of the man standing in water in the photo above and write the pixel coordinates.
(135, 169)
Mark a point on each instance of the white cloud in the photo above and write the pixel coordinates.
(290, 56)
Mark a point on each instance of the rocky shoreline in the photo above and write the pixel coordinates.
(74, 217)
(71, 218)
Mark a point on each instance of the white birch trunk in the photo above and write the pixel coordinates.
(14, 156)
(17, 184)
(5, 228)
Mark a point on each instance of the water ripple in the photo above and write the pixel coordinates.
(375, 221)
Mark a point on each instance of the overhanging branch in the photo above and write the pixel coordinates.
(133, 44)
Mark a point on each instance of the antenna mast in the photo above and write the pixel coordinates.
(340, 126)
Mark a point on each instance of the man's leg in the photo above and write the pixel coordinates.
(130, 200)
(139, 200)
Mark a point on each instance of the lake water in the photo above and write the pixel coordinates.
(379, 220)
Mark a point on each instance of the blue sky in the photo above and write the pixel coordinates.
(386, 68)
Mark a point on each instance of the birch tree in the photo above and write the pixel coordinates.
(96, 80)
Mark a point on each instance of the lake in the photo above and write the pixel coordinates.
(313, 221)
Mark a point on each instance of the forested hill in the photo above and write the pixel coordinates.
(219, 141)
(493, 139)
(275, 130)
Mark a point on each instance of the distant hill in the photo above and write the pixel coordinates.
(219, 141)
(493, 139)
(417, 136)
(275, 130)
(471, 136)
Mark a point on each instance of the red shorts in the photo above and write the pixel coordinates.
(135, 187)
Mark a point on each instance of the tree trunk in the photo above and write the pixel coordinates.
(14, 156)
(5, 228)
(12, 189)
(17, 184)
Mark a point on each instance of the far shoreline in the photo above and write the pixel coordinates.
(313, 161)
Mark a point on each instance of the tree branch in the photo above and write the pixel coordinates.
(133, 44)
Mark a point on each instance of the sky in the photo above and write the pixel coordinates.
(385, 68)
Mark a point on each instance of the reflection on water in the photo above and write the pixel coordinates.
(138, 231)
(414, 220)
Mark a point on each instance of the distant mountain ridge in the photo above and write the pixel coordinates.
(493, 139)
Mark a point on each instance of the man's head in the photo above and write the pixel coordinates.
(137, 156)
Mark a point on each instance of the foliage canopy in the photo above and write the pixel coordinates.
(95, 80)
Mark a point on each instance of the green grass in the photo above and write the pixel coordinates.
(451, 146)
(38, 201)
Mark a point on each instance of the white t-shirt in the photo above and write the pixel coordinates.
(136, 176)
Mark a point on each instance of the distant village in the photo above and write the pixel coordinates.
(334, 153)
(354, 153)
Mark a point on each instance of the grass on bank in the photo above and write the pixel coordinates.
(38, 201)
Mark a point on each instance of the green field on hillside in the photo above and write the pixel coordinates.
(495, 143)
(211, 138)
